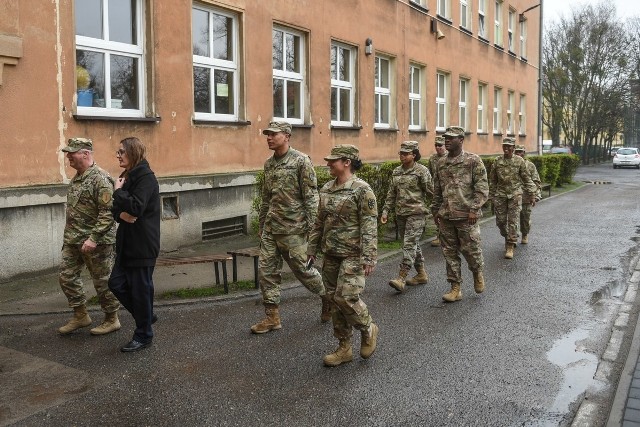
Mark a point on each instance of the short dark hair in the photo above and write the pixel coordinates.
(416, 153)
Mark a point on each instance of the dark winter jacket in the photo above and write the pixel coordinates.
(138, 244)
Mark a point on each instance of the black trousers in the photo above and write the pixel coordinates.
(133, 286)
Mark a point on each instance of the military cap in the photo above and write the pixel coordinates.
(278, 127)
(520, 148)
(408, 146)
(454, 131)
(77, 144)
(344, 151)
(439, 140)
(509, 141)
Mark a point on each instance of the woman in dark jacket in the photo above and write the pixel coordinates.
(136, 208)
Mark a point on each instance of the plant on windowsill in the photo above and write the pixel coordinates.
(83, 79)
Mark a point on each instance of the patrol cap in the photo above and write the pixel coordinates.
(278, 127)
(454, 131)
(344, 151)
(77, 144)
(509, 141)
(408, 146)
(520, 148)
(439, 140)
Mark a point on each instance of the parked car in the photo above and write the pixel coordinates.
(560, 150)
(626, 157)
(613, 150)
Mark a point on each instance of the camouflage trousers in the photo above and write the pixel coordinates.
(507, 213)
(525, 218)
(99, 263)
(410, 228)
(459, 237)
(344, 280)
(293, 249)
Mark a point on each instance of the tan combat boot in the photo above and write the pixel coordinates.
(109, 324)
(420, 278)
(269, 323)
(435, 242)
(80, 319)
(400, 281)
(343, 354)
(478, 282)
(455, 294)
(369, 341)
(508, 253)
(325, 315)
(525, 239)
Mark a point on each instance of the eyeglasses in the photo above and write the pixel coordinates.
(404, 153)
(439, 145)
(120, 152)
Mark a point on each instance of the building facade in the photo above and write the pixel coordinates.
(198, 81)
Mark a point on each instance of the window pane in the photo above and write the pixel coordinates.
(202, 89)
(124, 82)
(122, 21)
(416, 81)
(222, 37)
(415, 112)
(200, 32)
(345, 62)
(463, 117)
(376, 110)
(334, 103)
(293, 99)
(334, 66)
(277, 51)
(384, 116)
(441, 115)
(278, 98)
(384, 73)
(292, 48)
(91, 63)
(377, 73)
(224, 92)
(345, 99)
(89, 18)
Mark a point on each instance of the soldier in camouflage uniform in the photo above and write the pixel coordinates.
(89, 238)
(507, 179)
(460, 188)
(287, 213)
(409, 195)
(441, 151)
(346, 232)
(529, 200)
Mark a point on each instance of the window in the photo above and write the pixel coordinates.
(463, 111)
(465, 14)
(497, 110)
(442, 95)
(422, 3)
(482, 108)
(511, 99)
(416, 102)
(482, 32)
(215, 64)
(343, 87)
(383, 92)
(522, 115)
(523, 39)
(288, 75)
(110, 58)
(444, 8)
(510, 28)
(497, 33)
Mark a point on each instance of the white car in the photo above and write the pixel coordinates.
(626, 157)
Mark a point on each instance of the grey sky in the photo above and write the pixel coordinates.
(554, 9)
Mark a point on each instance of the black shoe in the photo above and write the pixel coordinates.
(134, 345)
(154, 319)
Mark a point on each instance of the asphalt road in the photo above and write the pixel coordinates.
(523, 353)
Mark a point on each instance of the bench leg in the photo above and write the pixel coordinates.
(224, 277)
(215, 265)
(235, 268)
(255, 271)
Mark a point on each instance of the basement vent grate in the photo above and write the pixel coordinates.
(223, 227)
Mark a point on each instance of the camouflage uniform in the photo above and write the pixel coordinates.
(346, 232)
(433, 162)
(288, 210)
(89, 202)
(459, 187)
(507, 178)
(528, 198)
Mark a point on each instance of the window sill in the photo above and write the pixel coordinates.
(522, 135)
(512, 53)
(511, 134)
(299, 126)
(466, 31)
(118, 118)
(444, 19)
(523, 59)
(221, 122)
(386, 130)
(418, 131)
(418, 7)
(497, 133)
(338, 127)
(497, 46)
(483, 40)
(482, 133)
(440, 131)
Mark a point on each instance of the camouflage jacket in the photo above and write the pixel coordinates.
(533, 173)
(410, 191)
(509, 177)
(460, 186)
(89, 202)
(347, 223)
(433, 162)
(289, 194)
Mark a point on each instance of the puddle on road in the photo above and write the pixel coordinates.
(613, 289)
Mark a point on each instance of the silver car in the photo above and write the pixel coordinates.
(626, 157)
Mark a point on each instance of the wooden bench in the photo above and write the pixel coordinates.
(546, 187)
(198, 259)
(254, 253)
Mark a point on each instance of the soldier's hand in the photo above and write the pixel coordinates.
(88, 246)
(368, 269)
(383, 219)
(126, 217)
(473, 218)
(533, 202)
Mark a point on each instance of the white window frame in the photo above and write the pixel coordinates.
(463, 104)
(442, 100)
(381, 92)
(417, 96)
(108, 48)
(422, 3)
(522, 115)
(497, 109)
(497, 29)
(446, 5)
(349, 84)
(523, 38)
(482, 108)
(482, 19)
(511, 99)
(465, 15)
(510, 30)
(214, 64)
(285, 76)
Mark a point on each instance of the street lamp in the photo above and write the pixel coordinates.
(521, 19)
